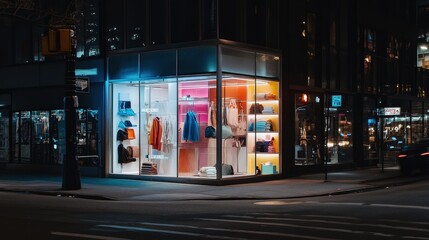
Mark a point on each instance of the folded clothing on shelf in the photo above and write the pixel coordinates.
(268, 110)
(149, 168)
(207, 172)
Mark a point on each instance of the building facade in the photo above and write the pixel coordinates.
(216, 90)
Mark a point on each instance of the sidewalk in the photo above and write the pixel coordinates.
(139, 190)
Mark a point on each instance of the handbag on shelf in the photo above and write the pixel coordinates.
(134, 151)
(226, 129)
(256, 108)
(124, 155)
(210, 132)
(226, 132)
(131, 134)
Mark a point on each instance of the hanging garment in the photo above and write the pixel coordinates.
(232, 116)
(156, 134)
(167, 142)
(191, 129)
(212, 115)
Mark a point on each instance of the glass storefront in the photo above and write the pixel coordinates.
(145, 136)
(39, 137)
(339, 129)
(185, 126)
(308, 130)
(4, 135)
(369, 126)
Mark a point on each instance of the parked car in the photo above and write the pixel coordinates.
(414, 156)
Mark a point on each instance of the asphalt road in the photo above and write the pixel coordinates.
(391, 213)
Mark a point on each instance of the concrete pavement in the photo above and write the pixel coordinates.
(138, 190)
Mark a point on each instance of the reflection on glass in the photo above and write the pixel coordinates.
(4, 136)
(16, 136)
(40, 137)
(26, 132)
(308, 132)
(57, 124)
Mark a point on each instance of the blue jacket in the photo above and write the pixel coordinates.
(191, 129)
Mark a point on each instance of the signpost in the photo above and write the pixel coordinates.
(82, 85)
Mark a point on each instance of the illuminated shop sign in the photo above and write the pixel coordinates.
(336, 101)
(86, 71)
(389, 111)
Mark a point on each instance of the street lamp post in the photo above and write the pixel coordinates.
(71, 175)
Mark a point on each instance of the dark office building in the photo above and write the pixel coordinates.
(209, 91)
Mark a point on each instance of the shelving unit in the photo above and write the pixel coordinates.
(267, 162)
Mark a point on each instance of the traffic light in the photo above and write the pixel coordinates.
(57, 41)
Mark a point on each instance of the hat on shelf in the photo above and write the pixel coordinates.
(129, 124)
(122, 125)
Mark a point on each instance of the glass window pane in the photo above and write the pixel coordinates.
(235, 93)
(57, 125)
(267, 131)
(267, 65)
(23, 36)
(158, 63)
(238, 61)
(123, 66)
(369, 126)
(26, 129)
(158, 22)
(92, 29)
(88, 29)
(184, 20)
(6, 44)
(416, 121)
(37, 51)
(308, 132)
(340, 130)
(136, 23)
(114, 25)
(197, 111)
(209, 22)
(230, 20)
(125, 107)
(197, 60)
(4, 135)
(16, 137)
(40, 137)
(145, 128)
(158, 131)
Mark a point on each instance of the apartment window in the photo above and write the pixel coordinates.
(256, 22)
(136, 23)
(88, 30)
(23, 42)
(209, 21)
(6, 44)
(184, 20)
(114, 25)
(309, 35)
(158, 22)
